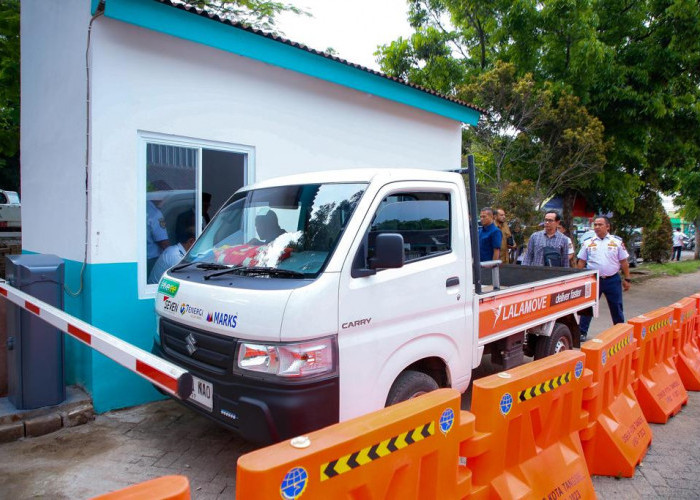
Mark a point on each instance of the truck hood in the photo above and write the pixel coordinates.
(246, 313)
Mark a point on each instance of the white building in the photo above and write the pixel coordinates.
(126, 102)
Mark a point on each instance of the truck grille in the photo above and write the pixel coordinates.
(205, 350)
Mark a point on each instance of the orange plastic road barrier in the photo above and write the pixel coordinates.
(618, 435)
(528, 421)
(696, 297)
(409, 450)
(161, 488)
(658, 387)
(687, 353)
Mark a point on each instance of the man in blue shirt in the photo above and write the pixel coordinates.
(489, 236)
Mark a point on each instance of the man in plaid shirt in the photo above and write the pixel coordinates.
(548, 247)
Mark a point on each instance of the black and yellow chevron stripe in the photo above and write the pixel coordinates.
(614, 349)
(659, 324)
(376, 451)
(544, 387)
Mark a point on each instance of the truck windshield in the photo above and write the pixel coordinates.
(287, 228)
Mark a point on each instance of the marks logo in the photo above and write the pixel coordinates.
(223, 319)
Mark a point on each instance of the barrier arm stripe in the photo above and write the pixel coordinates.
(173, 379)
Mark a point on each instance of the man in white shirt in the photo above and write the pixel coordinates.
(677, 244)
(608, 255)
(173, 254)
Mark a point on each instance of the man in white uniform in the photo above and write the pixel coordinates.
(156, 234)
(608, 255)
(173, 254)
(677, 244)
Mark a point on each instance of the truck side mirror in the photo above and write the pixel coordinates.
(388, 254)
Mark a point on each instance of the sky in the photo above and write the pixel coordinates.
(354, 29)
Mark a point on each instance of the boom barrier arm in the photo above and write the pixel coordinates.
(171, 378)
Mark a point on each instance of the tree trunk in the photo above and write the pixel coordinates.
(697, 237)
(567, 217)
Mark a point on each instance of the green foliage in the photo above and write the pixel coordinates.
(518, 201)
(634, 66)
(532, 132)
(9, 79)
(657, 240)
(259, 14)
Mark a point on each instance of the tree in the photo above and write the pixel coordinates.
(259, 14)
(635, 66)
(532, 132)
(9, 94)
(657, 240)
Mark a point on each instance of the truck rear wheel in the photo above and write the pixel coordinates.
(410, 384)
(559, 341)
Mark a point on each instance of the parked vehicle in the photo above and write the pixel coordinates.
(10, 211)
(359, 291)
(688, 242)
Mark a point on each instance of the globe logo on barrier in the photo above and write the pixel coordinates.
(579, 367)
(294, 483)
(644, 332)
(506, 404)
(604, 359)
(446, 420)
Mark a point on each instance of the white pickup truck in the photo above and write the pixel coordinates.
(10, 211)
(320, 297)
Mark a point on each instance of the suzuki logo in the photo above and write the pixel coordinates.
(191, 344)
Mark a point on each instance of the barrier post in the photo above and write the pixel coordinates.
(617, 436)
(696, 337)
(659, 389)
(687, 357)
(528, 421)
(408, 451)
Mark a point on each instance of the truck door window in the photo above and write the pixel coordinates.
(423, 219)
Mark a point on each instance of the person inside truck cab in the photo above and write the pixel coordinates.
(267, 227)
(490, 236)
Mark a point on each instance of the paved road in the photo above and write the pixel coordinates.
(129, 446)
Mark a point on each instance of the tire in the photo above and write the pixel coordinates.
(410, 384)
(559, 341)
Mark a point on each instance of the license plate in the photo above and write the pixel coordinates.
(202, 393)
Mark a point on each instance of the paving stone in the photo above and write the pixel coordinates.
(11, 432)
(44, 424)
(78, 416)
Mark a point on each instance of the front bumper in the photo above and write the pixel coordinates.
(261, 411)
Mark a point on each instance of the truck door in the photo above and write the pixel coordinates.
(397, 317)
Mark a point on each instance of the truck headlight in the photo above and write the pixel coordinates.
(303, 359)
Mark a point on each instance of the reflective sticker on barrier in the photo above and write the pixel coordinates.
(294, 483)
(579, 369)
(604, 357)
(660, 324)
(446, 420)
(615, 348)
(545, 387)
(506, 404)
(376, 451)
(644, 332)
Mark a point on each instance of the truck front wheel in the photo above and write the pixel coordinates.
(559, 341)
(410, 384)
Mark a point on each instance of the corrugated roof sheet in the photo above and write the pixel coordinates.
(194, 10)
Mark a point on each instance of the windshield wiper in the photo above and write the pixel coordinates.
(181, 266)
(207, 266)
(268, 271)
(226, 270)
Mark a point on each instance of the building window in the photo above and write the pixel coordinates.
(186, 182)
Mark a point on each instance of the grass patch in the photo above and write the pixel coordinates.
(670, 268)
